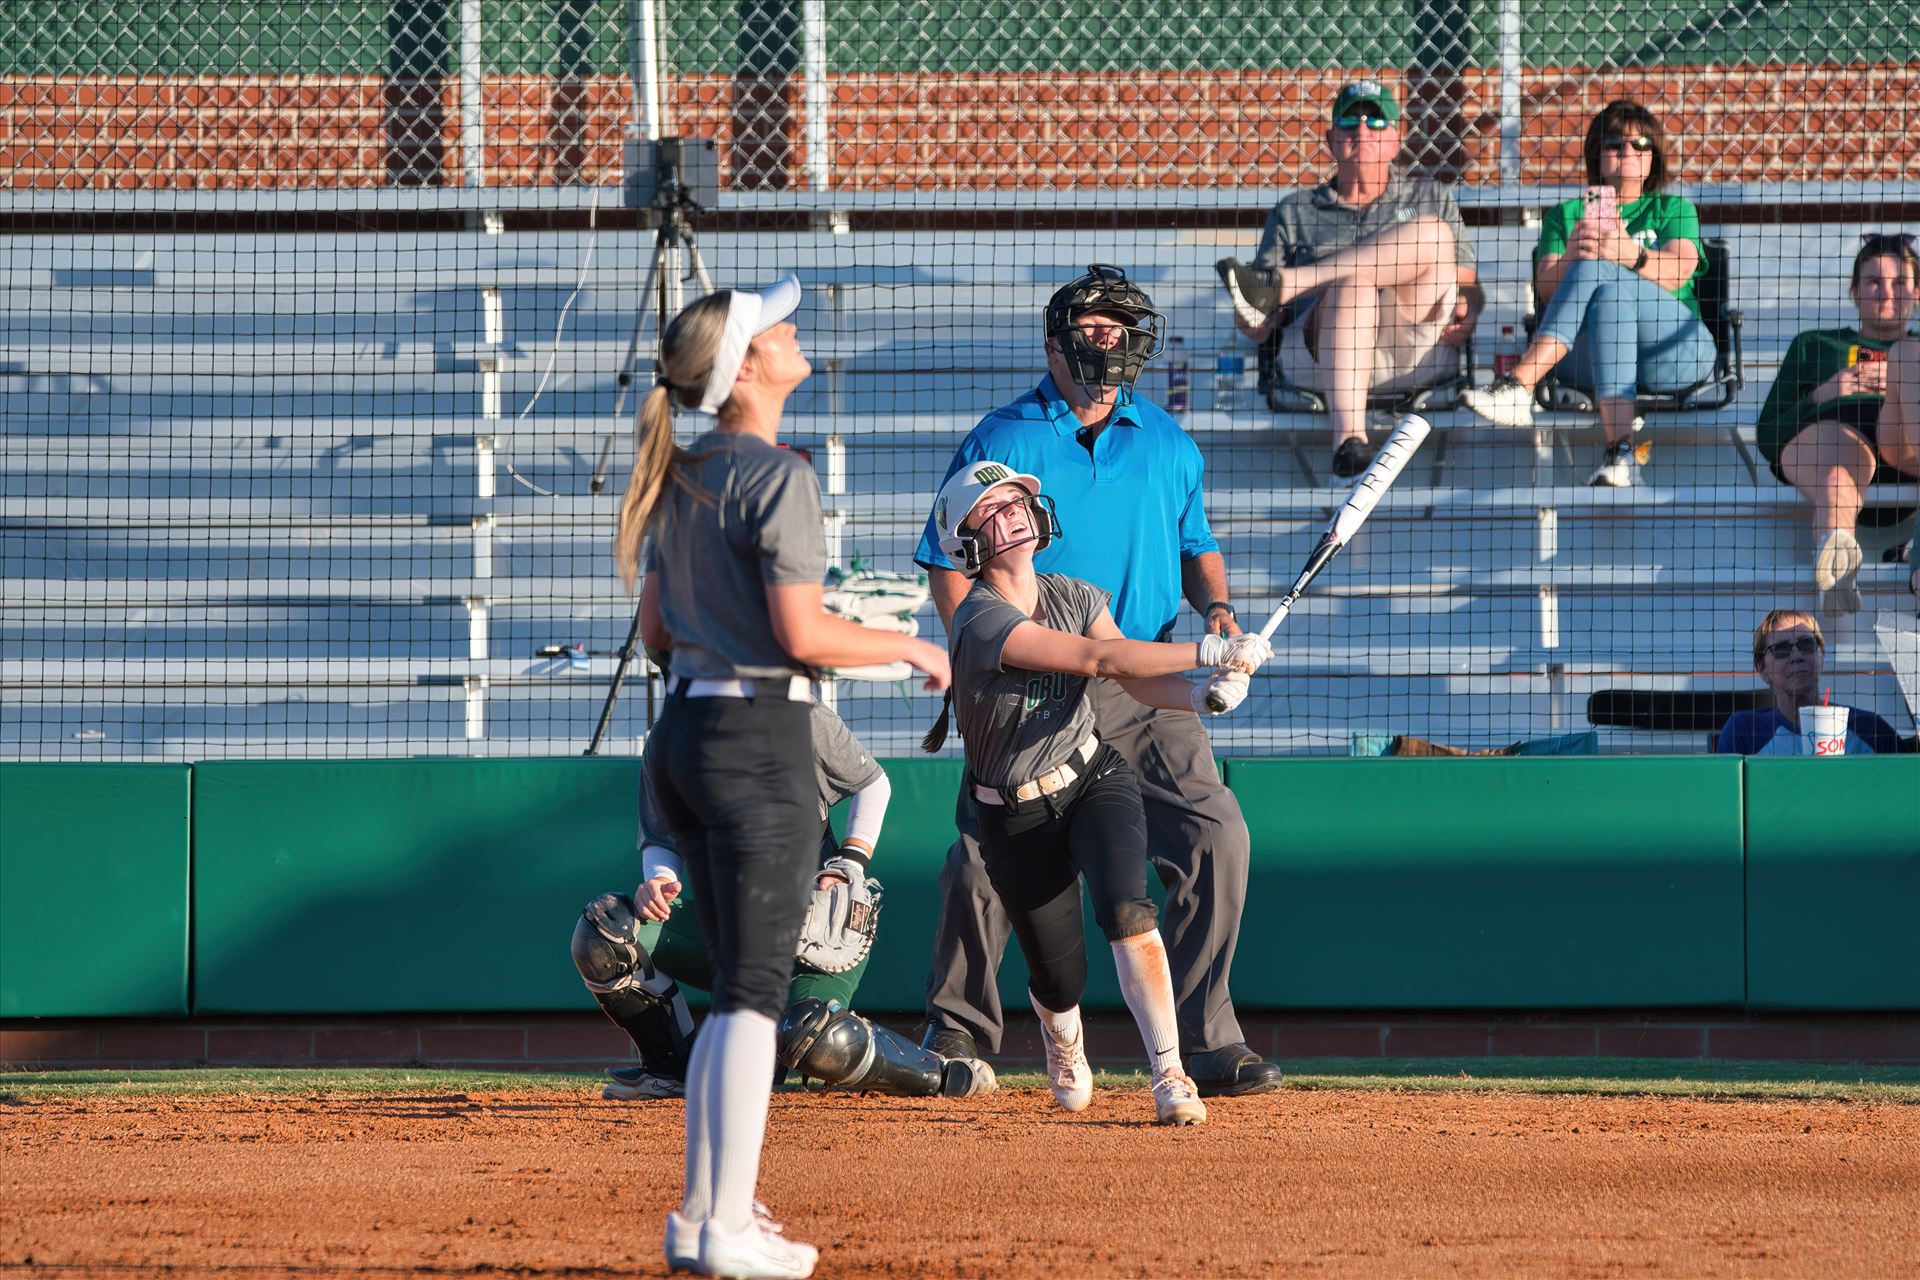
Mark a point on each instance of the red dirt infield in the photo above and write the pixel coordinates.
(1336, 1182)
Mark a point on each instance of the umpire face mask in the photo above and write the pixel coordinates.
(1105, 329)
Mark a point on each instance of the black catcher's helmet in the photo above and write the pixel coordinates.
(1105, 289)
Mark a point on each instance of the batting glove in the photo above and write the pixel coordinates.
(1227, 688)
(1243, 652)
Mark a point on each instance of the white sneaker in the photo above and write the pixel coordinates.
(1619, 467)
(1176, 1099)
(683, 1242)
(758, 1253)
(625, 1084)
(1835, 566)
(1069, 1074)
(1505, 404)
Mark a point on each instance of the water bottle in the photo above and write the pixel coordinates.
(1506, 352)
(1178, 381)
(1228, 367)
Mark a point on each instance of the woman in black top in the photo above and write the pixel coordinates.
(734, 565)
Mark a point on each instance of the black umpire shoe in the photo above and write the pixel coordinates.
(1231, 1071)
(948, 1042)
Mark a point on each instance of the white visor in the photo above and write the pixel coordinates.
(748, 314)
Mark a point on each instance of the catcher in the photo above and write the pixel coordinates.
(633, 952)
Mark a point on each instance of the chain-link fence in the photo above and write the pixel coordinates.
(315, 320)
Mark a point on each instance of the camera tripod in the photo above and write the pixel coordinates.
(673, 209)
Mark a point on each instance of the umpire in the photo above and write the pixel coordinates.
(1127, 481)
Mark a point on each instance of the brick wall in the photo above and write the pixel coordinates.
(1026, 130)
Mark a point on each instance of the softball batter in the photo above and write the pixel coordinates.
(1055, 803)
(734, 563)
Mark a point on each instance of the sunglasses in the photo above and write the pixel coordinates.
(1622, 144)
(1785, 648)
(1350, 123)
(1887, 241)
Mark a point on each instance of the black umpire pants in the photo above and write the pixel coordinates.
(1198, 845)
(734, 778)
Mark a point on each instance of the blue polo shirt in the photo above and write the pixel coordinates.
(1130, 512)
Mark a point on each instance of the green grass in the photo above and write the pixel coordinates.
(1646, 1077)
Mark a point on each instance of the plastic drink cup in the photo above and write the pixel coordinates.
(1823, 730)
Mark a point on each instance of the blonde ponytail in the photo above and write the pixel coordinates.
(655, 457)
(686, 358)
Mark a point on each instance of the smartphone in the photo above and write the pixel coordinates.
(1603, 204)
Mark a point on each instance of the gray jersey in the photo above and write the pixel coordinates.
(841, 766)
(713, 560)
(1018, 724)
(1311, 224)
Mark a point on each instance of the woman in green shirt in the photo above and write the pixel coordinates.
(1620, 315)
(1836, 419)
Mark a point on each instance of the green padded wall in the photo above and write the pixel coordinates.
(1511, 883)
(93, 890)
(412, 885)
(1833, 883)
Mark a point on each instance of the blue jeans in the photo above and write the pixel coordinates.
(1625, 332)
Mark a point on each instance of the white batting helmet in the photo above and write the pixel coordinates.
(962, 493)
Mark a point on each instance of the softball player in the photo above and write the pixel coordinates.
(734, 562)
(634, 952)
(1055, 803)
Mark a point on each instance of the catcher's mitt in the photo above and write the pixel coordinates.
(841, 920)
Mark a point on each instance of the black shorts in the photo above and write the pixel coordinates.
(1862, 417)
(1036, 854)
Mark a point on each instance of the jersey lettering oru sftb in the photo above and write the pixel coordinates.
(1018, 724)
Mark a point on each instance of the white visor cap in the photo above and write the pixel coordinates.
(748, 314)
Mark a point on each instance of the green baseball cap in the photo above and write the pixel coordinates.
(1366, 93)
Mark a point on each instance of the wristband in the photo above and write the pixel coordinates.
(1221, 604)
(1640, 262)
(856, 855)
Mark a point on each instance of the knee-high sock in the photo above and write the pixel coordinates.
(696, 1201)
(1148, 987)
(737, 1076)
(1063, 1026)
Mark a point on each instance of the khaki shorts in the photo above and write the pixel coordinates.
(1406, 354)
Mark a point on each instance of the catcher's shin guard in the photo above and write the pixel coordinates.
(642, 1001)
(827, 1043)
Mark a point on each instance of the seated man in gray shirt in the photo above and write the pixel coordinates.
(1370, 274)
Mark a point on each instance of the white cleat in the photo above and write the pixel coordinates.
(1176, 1100)
(683, 1243)
(758, 1253)
(1069, 1074)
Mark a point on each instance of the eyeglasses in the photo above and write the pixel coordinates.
(1887, 241)
(1785, 648)
(1350, 123)
(1621, 144)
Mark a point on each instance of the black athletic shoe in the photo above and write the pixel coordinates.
(1352, 457)
(948, 1042)
(1231, 1071)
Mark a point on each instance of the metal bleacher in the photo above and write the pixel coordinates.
(289, 495)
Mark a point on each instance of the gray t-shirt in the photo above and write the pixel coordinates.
(841, 766)
(1018, 724)
(1310, 224)
(715, 559)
